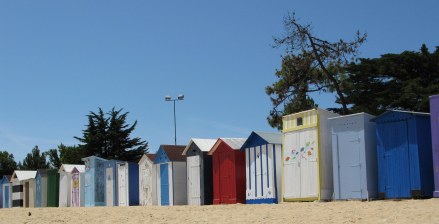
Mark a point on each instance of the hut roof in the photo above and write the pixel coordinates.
(69, 168)
(174, 152)
(24, 174)
(233, 143)
(149, 156)
(262, 138)
(203, 144)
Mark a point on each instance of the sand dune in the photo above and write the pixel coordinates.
(405, 211)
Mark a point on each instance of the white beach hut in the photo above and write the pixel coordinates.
(263, 158)
(147, 180)
(24, 188)
(307, 156)
(199, 171)
(70, 180)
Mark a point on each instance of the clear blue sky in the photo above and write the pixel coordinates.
(61, 59)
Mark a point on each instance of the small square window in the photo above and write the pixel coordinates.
(299, 121)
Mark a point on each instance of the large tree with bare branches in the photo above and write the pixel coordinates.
(316, 66)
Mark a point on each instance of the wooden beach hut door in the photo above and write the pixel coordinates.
(63, 194)
(109, 186)
(164, 184)
(396, 159)
(259, 171)
(26, 194)
(6, 198)
(301, 166)
(226, 181)
(194, 179)
(75, 190)
(349, 164)
(122, 174)
(38, 180)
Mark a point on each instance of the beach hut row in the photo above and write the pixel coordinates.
(318, 156)
(99, 182)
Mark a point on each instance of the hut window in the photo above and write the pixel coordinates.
(299, 121)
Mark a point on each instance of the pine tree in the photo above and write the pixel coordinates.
(109, 137)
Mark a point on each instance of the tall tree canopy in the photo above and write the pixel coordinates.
(109, 137)
(65, 155)
(393, 81)
(34, 160)
(310, 64)
(295, 80)
(7, 163)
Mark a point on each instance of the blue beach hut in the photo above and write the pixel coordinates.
(5, 190)
(405, 165)
(263, 159)
(171, 175)
(41, 183)
(94, 181)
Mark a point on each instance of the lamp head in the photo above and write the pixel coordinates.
(167, 98)
(180, 97)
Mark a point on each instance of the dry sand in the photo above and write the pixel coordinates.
(405, 211)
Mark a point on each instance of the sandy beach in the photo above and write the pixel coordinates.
(405, 211)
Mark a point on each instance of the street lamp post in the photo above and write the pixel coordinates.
(168, 98)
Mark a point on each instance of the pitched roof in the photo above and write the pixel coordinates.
(174, 152)
(69, 168)
(260, 138)
(203, 144)
(272, 138)
(24, 174)
(151, 157)
(233, 143)
(5, 179)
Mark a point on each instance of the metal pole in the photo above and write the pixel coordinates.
(175, 127)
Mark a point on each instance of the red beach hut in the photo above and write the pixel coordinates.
(228, 171)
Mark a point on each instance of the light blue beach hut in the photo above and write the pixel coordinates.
(41, 184)
(354, 157)
(94, 181)
(111, 182)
